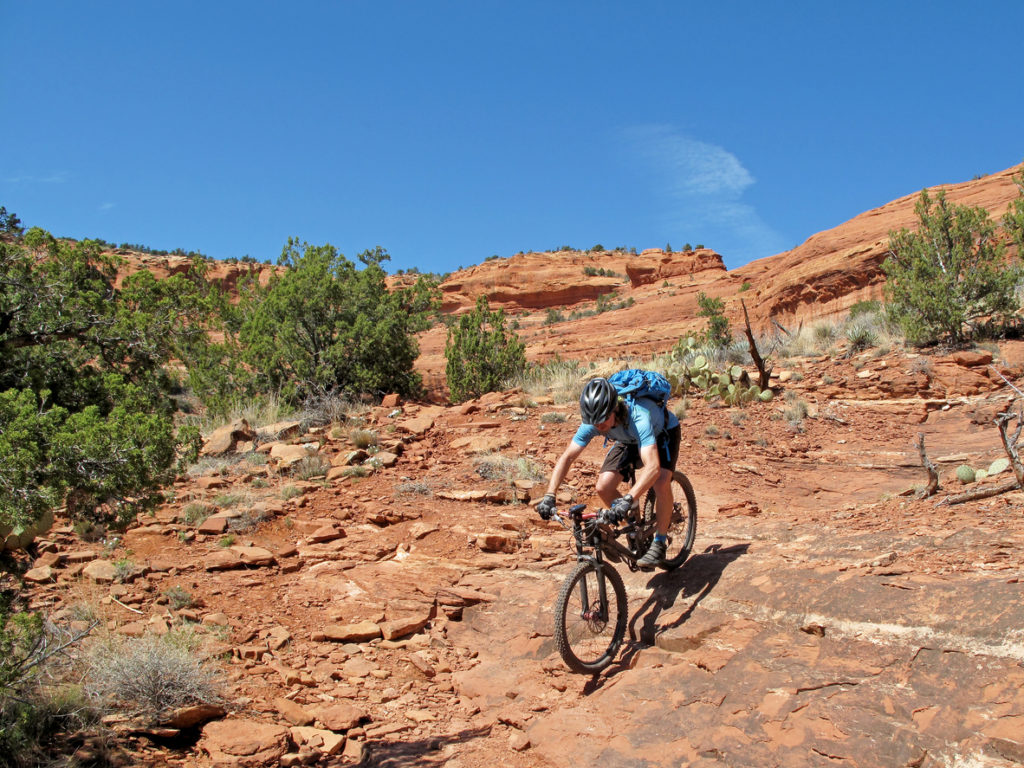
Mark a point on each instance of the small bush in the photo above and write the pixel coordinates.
(553, 417)
(481, 353)
(860, 338)
(227, 500)
(363, 438)
(711, 430)
(248, 520)
(921, 365)
(865, 307)
(227, 541)
(290, 492)
(195, 512)
(178, 598)
(149, 676)
(413, 489)
(311, 466)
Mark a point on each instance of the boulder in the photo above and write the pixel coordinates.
(243, 742)
(224, 439)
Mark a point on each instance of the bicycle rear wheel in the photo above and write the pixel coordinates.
(683, 527)
(588, 632)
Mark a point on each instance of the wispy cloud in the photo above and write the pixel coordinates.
(57, 177)
(702, 186)
(107, 206)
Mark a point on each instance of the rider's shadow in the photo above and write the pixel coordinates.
(697, 577)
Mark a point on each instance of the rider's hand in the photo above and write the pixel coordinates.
(621, 506)
(546, 508)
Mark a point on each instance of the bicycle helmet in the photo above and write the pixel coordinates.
(597, 401)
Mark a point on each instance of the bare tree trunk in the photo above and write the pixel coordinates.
(929, 466)
(1010, 443)
(764, 372)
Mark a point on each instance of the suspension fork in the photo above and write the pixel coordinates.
(602, 587)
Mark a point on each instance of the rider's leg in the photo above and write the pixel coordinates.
(663, 500)
(608, 487)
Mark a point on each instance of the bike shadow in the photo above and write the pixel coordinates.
(696, 578)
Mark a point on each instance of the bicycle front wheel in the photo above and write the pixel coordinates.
(683, 527)
(589, 629)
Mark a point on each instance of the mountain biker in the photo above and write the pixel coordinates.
(646, 437)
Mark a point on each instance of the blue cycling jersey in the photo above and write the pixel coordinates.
(646, 421)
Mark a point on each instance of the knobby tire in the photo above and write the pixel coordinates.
(588, 645)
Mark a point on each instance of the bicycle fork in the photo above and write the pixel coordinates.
(588, 612)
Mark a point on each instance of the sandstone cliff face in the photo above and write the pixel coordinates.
(224, 273)
(822, 278)
(834, 269)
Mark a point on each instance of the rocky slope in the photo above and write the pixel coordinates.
(400, 614)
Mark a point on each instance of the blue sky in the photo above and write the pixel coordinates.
(447, 132)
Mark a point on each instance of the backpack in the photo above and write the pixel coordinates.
(635, 383)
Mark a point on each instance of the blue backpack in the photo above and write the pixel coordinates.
(636, 383)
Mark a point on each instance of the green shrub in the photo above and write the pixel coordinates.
(949, 278)
(324, 326)
(717, 332)
(865, 307)
(481, 354)
(178, 597)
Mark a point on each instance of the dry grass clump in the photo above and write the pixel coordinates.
(248, 520)
(552, 417)
(311, 466)
(149, 677)
(497, 467)
(363, 438)
(195, 512)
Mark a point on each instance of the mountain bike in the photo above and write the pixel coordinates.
(591, 609)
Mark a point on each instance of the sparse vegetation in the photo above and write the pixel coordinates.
(717, 332)
(481, 353)
(311, 466)
(290, 492)
(178, 597)
(149, 676)
(552, 417)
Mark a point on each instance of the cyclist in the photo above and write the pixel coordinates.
(646, 437)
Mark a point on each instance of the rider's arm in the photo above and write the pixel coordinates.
(569, 455)
(648, 474)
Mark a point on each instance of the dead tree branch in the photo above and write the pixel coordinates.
(981, 493)
(764, 371)
(929, 467)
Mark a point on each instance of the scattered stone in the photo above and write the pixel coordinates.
(497, 542)
(245, 743)
(326, 533)
(189, 717)
(518, 740)
(324, 742)
(292, 712)
(396, 628)
(213, 525)
(224, 439)
(340, 717)
(480, 443)
(39, 575)
(350, 633)
(100, 571)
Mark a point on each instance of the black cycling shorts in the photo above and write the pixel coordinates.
(622, 456)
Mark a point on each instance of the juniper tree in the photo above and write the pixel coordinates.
(950, 276)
